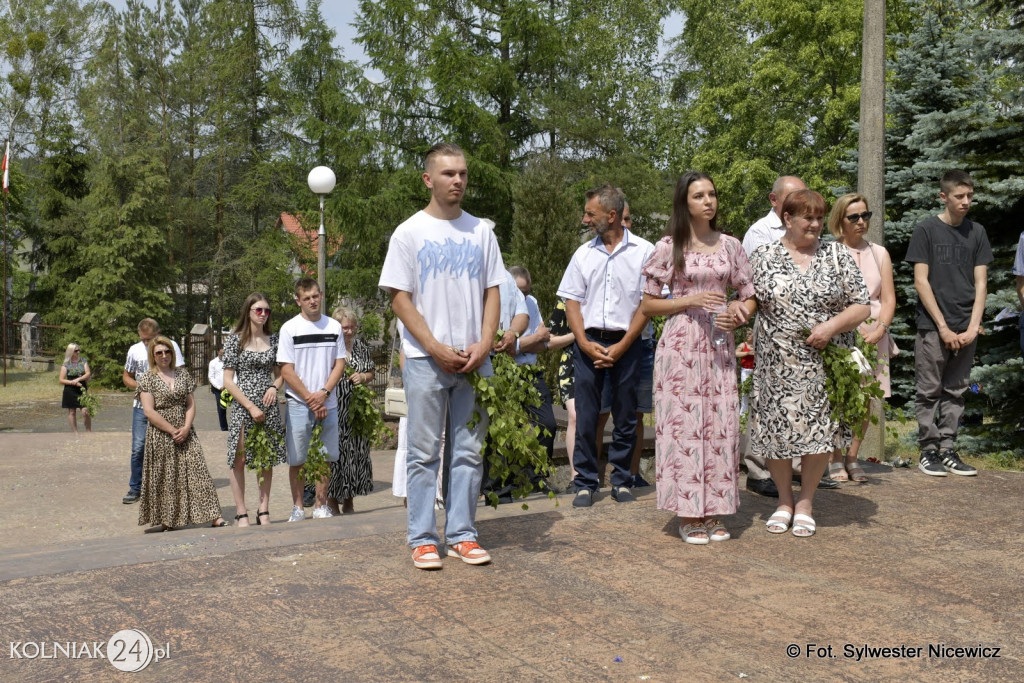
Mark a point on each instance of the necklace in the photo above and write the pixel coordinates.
(795, 254)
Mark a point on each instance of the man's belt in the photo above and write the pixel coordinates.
(611, 336)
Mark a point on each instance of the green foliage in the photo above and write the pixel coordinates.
(316, 467)
(90, 403)
(513, 446)
(264, 444)
(763, 88)
(364, 416)
(1001, 387)
(849, 390)
(953, 101)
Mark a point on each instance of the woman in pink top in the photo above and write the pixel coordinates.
(849, 223)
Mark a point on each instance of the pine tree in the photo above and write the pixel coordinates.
(953, 102)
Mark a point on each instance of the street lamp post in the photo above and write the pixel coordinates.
(321, 181)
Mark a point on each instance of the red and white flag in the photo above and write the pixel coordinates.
(7, 160)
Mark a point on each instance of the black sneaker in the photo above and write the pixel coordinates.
(930, 463)
(131, 497)
(954, 465)
(622, 494)
(584, 499)
(308, 497)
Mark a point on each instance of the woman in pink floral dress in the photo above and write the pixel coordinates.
(696, 405)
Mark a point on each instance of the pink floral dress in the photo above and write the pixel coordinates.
(696, 403)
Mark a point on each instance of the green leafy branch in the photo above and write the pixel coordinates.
(515, 448)
(315, 468)
(89, 403)
(849, 391)
(364, 418)
(264, 444)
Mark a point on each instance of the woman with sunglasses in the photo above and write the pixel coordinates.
(849, 223)
(74, 373)
(177, 489)
(253, 378)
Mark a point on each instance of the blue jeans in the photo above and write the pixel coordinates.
(590, 381)
(139, 424)
(299, 423)
(427, 390)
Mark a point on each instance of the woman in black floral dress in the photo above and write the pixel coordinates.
(352, 475)
(252, 377)
(562, 338)
(802, 284)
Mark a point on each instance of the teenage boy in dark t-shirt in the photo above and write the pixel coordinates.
(950, 253)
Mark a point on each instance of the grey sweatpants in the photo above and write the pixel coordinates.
(941, 377)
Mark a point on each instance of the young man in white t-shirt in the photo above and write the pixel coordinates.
(443, 269)
(136, 364)
(311, 352)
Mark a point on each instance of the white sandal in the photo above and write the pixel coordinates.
(778, 523)
(716, 527)
(804, 524)
(687, 531)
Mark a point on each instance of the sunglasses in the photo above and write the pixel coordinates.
(162, 353)
(260, 311)
(854, 217)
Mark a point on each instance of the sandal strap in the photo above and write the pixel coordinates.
(694, 528)
(245, 516)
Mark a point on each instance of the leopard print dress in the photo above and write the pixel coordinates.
(177, 489)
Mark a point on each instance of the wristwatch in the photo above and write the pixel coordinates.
(324, 389)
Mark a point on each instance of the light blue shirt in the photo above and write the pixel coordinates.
(535, 321)
(513, 302)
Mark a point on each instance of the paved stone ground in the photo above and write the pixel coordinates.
(606, 593)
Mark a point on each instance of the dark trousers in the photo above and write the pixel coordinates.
(589, 382)
(543, 416)
(222, 412)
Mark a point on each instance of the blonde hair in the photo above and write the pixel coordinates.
(70, 351)
(343, 313)
(835, 219)
(161, 341)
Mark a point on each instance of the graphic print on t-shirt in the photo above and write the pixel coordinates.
(451, 257)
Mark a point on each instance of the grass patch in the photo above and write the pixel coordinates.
(27, 386)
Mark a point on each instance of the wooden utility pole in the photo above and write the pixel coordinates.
(871, 165)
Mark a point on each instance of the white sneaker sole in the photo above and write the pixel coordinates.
(930, 473)
(963, 474)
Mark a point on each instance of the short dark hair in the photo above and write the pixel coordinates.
(304, 284)
(609, 197)
(442, 149)
(955, 178)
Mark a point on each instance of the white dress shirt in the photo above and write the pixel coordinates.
(765, 231)
(608, 286)
(216, 373)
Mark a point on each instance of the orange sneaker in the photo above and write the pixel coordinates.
(470, 552)
(426, 557)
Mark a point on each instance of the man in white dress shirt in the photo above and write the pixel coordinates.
(602, 288)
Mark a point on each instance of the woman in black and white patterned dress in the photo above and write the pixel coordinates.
(253, 378)
(801, 284)
(352, 475)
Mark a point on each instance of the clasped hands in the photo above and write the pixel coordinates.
(735, 314)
